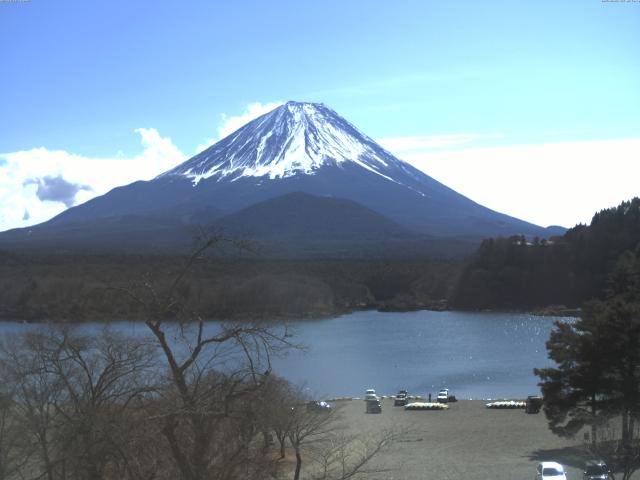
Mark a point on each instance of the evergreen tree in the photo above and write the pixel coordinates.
(512, 273)
(597, 379)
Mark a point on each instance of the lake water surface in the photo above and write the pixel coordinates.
(475, 355)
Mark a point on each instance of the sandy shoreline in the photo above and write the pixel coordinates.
(466, 441)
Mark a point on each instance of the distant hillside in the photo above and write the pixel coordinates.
(515, 273)
(294, 225)
(299, 225)
(304, 215)
(131, 233)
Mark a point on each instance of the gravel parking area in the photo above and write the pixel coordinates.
(466, 441)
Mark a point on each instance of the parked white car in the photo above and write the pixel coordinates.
(550, 471)
(370, 394)
(443, 396)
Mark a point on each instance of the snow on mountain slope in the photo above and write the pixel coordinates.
(295, 138)
(298, 147)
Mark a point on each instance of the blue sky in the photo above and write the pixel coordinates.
(451, 86)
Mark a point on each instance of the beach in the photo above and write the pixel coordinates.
(467, 440)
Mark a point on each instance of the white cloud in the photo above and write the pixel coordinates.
(409, 145)
(158, 151)
(22, 173)
(562, 183)
(18, 170)
(229, 125)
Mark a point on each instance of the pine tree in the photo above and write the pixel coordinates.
(597, 378)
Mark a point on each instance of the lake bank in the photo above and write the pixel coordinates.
(381, 307)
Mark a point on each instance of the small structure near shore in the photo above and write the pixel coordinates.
(506, 404)
(426, 406)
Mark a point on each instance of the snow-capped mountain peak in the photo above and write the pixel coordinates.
(298, 169)
(293, 139)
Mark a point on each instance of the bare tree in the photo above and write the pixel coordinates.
(14, 446)
(74, 397)
(349, 456)
(35, 393)
(213, 372)
(273, 411)
(308, 427)
(332, 453)
(612, 449)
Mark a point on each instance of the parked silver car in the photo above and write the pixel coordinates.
(400, 400)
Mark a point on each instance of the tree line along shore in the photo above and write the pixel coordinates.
(515, 273)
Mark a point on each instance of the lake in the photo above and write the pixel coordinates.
(475, 355)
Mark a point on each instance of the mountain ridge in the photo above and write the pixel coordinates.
(297, 147)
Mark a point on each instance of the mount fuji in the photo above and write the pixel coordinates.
(298, 175)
